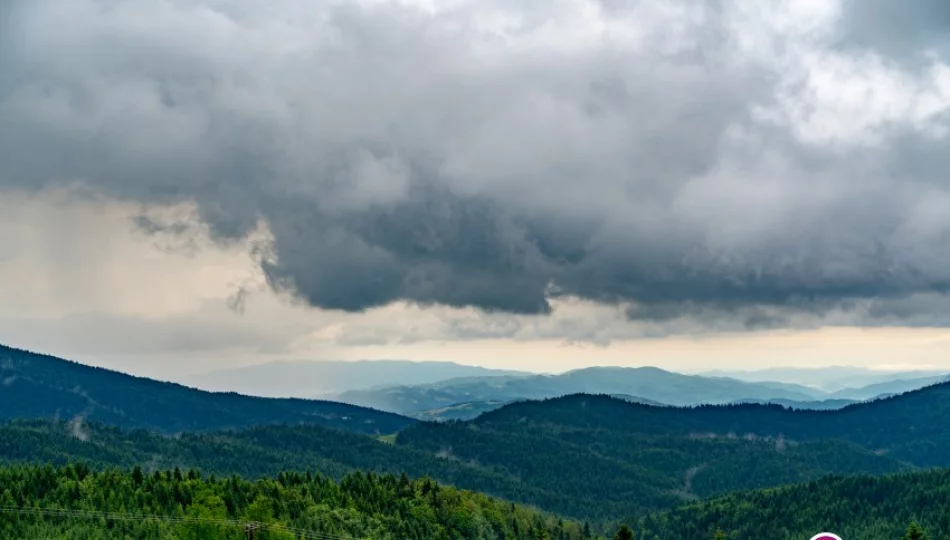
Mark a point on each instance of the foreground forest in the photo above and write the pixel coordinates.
(76, 501)
(289, 506)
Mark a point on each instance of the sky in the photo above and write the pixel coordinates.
(189, 185)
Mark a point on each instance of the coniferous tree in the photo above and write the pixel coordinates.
(624, 533)
(915, 532)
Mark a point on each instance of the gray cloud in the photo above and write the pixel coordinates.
(395, 154)
(101, 334)
(902, 29)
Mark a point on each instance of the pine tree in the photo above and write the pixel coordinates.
(915, 532)
(137, 476)
(624, 533)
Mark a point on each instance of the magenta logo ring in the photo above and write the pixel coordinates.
(826, 536)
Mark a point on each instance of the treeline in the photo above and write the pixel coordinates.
(358, 506)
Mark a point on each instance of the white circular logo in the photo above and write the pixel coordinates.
(826, 536)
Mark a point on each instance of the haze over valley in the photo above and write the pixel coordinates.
(444, 390)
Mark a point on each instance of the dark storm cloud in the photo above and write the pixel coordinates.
(432, 247)
(395, 154)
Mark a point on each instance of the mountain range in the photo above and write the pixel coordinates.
(828, 379)
(888, 388)
(603, 458)
(466, 398)
(646, 383)
(312, 379)
(446, 390)
(48, 386)
(623, 457)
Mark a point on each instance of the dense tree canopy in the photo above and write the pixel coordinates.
(253, 453)
(595, 475)
(611, 472)
(359, 506)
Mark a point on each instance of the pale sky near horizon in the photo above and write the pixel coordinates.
(189, 185)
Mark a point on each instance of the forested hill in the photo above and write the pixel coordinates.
(629, 457)
(252, 453)
(359, 506)
(624, 476)
(856, 508)
(40, 386)
(913, 427)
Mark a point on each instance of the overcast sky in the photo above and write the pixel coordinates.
(193, 184)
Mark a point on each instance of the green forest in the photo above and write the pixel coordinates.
(76, 501)
(610, 474)
(288, 506)
(253, 453)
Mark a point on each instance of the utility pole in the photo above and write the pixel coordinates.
(249, 529)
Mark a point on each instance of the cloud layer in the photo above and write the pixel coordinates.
(717, 165)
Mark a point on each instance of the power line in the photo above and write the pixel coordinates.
(249, 526)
